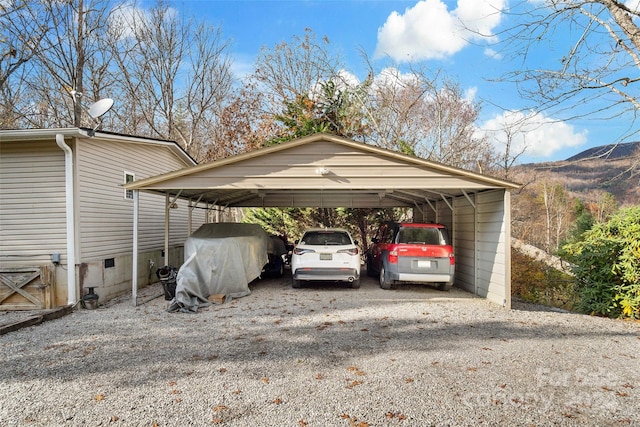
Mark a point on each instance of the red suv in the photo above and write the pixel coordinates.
(411, 252)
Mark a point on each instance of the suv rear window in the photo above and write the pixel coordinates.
(422, 235)
(418, 235)
(326, 238)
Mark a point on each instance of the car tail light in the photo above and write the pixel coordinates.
(393, 256)
(452, 259)
(302, 251)
(351, 251)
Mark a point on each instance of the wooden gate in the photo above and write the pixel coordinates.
(26, 288)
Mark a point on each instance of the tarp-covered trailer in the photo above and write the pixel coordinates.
(220, 259)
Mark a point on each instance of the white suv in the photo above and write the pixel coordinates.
(326, 255)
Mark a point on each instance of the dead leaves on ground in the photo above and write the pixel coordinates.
(397, 415)
(357, 372)
(354, 383)
(324, 326)
(174, 390)
(353, 421)
(218, 409)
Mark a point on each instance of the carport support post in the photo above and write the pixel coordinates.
(189, 210)
(166, 228)
(134, 262)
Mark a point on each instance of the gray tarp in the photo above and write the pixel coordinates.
(276, 246)
(220, 258)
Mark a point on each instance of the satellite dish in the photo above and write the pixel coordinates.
(100, 108)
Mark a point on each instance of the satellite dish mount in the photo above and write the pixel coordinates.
(97, 110)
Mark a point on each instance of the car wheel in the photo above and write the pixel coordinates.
(385, 283)
(296, 284)
(444, 286)
(355, 284)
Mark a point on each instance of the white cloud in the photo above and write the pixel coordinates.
(242, 66)
(633, 5)
(429, 30)
(122, 20)
(492, 53)
(126, 18)
(534, 133)
(392, 76)
(346, 79)
(470, 94)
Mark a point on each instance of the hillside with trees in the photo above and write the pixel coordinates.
(584, 212)
(590, 173)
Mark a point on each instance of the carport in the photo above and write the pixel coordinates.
(328, 171)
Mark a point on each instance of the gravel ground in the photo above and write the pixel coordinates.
(322, 356)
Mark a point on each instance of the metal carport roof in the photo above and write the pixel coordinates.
(320, 170)
(325, 170)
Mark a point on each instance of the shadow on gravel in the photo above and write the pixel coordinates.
(276, 324)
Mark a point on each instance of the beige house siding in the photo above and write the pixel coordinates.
(33, 217)
(32, 203)
(105, 215)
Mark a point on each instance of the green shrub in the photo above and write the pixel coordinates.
(606, 265)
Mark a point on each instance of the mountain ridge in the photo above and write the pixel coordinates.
(613, 168)
(610, 151)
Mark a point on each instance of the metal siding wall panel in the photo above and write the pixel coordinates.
(295, 169)
(493, 260)
(105, 216)
(445, 216)
(32, 197)
(465, 244)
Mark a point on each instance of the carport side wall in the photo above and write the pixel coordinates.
(479, 236)
(493, 273)
(465, 244)
(483, 263)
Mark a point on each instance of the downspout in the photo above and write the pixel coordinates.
(71, 222)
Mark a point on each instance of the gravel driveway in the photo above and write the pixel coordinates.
(322, 356)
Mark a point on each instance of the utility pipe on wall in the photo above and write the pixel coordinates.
(71, 222)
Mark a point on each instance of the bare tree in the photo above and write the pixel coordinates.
(16, 47)
(509, 139)
(423, 114)
(241, 126)
(56, 43)
(592, 58)
(288, 71)
(417, 112)
(175, 75)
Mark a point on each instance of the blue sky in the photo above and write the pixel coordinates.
(426, 32)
